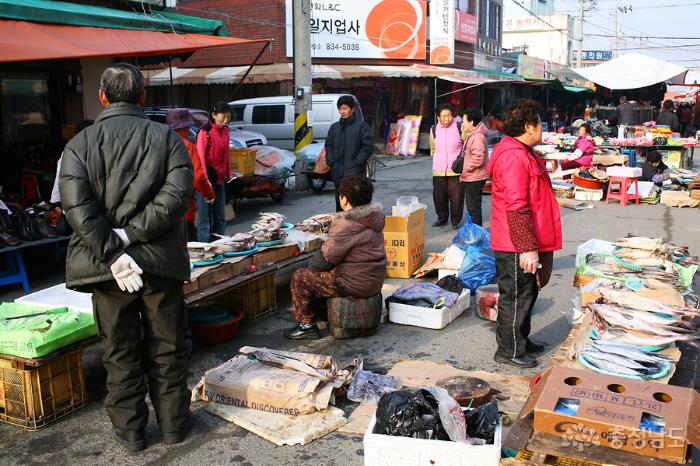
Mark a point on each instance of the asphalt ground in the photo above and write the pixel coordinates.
(84, 437)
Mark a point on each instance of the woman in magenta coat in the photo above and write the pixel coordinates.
(582, 157)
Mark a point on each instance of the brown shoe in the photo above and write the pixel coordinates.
(9, 239)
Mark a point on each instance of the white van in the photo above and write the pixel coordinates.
(274, 117)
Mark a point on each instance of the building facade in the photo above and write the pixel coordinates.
(549, 38)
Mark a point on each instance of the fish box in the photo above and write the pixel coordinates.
(404, 240)
(646, 418)
(427, 317)
(388, 450)
(626, 172)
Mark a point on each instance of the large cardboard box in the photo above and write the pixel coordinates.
(609, 412)
(404, 240)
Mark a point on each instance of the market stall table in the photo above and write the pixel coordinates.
(16, 272)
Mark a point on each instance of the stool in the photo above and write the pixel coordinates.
(354, 317)
(622, 194)
(15, 271)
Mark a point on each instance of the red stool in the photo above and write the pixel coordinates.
(622, 194)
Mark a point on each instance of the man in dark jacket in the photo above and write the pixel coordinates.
(348, 145)
(125, 184)
(668, 117)
(625, 112)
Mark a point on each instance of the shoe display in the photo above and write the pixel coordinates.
(133, 440)
(523, 361)
(298, 333)
(8, 239)
(41, 224)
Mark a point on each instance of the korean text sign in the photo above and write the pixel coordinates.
(394, 29)
(442, 32)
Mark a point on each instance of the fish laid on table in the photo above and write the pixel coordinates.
(616, 318)
(630, 337)
(628, 351)
(633, 301)
(627, 363)
(270, 221)
(640, 242)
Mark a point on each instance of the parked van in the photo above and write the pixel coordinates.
(274, 117)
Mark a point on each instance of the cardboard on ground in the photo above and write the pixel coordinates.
(404, 240)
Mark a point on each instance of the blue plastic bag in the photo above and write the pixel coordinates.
(471, 235)
(478, 268)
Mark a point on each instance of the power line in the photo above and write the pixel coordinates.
(545, 22)
(644, 7)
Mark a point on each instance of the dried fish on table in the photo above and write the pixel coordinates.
(264, 235)
(624, 360)
(631, 300)
(628, 351)
(616, 318)
(269, 221)
(630, 337)
(205, 251)
(640, 242)
(318, 224)
(237, 243)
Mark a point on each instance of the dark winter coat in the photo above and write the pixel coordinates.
(625, 114)
(349, 145)
(668, 118)
(125, 171)
(355, 250)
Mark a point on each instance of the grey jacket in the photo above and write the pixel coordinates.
(349, 145)
(125, 171)
(625, 114)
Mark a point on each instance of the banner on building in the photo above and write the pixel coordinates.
(442, 32)
(592, 55)
(530, 67)
(465, 27)
(393, 29)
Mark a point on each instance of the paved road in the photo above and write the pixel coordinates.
(84, 437)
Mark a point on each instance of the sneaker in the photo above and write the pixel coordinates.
(303, 332)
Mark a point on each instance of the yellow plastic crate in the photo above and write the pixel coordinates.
(243, 161)
(257, 299)
(34, 397)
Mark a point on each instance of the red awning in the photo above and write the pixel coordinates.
(26, 41)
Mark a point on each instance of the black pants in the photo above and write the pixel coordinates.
(448, 196)
(144, 352)
(518, 293)
(473, 193)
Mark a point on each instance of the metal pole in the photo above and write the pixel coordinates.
(615, 41)
(579, 55)
(172, 86)
(303, 118)
(247, 72)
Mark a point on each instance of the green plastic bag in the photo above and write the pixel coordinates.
(43, 332)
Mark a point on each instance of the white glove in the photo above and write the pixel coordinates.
(122, 236)
(577, 154)
(127, 274)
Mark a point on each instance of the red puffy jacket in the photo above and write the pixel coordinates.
(524, 214)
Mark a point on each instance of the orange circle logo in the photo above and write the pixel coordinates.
(440, 55)
(397, 28)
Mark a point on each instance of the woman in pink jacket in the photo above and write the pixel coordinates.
(582, 157)
(476, 157)
(525, 230)
(448, 193)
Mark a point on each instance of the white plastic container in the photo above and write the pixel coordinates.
(387, 450)
(59, 296)
(426, 317)
(583, 194)
(627, 172)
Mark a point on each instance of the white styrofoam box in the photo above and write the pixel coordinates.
(593, 246)
(59, 296)
(387, 450)
(628, 172)
(442, 273)
(646, 188)
(582, 194)
(427, 317)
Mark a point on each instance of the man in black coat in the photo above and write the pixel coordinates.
(125, 184)
(625, 112)
(349, 144)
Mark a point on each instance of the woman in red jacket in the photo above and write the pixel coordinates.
(213, 148)
(525, 230)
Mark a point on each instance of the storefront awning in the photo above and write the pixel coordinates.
(632, 71)
(283, 72)
(73, 14)
(25, 41)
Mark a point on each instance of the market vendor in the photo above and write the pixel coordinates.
(525, 230)
(352, 262)
(582, 156)
(654, 169)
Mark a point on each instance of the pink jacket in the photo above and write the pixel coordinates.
(587, 146)
(476, 155)
(448, 145)
(524, 212)
(216, 153)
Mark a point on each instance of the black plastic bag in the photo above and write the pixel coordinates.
(451, 283)
(482, 421)
(410, 413)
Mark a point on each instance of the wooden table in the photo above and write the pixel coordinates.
(523, 437)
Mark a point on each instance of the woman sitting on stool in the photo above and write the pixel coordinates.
(582, 157)
(352, 262)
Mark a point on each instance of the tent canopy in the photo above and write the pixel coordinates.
(632, 71)
(25, 41)
(73, 14)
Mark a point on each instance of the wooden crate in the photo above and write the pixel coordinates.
(34, 397)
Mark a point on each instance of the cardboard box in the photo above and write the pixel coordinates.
(583, 194)
(609, 411)
(404, 240)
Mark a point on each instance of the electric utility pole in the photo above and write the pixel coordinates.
(616, 12)
(581, 13)
(303, 117)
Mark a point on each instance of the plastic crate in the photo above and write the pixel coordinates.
(34, 397)
(257, 299)
(527, 455)
(243, 161)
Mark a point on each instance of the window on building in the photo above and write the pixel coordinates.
(494, 21)
(483, 15)
(268, 114)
